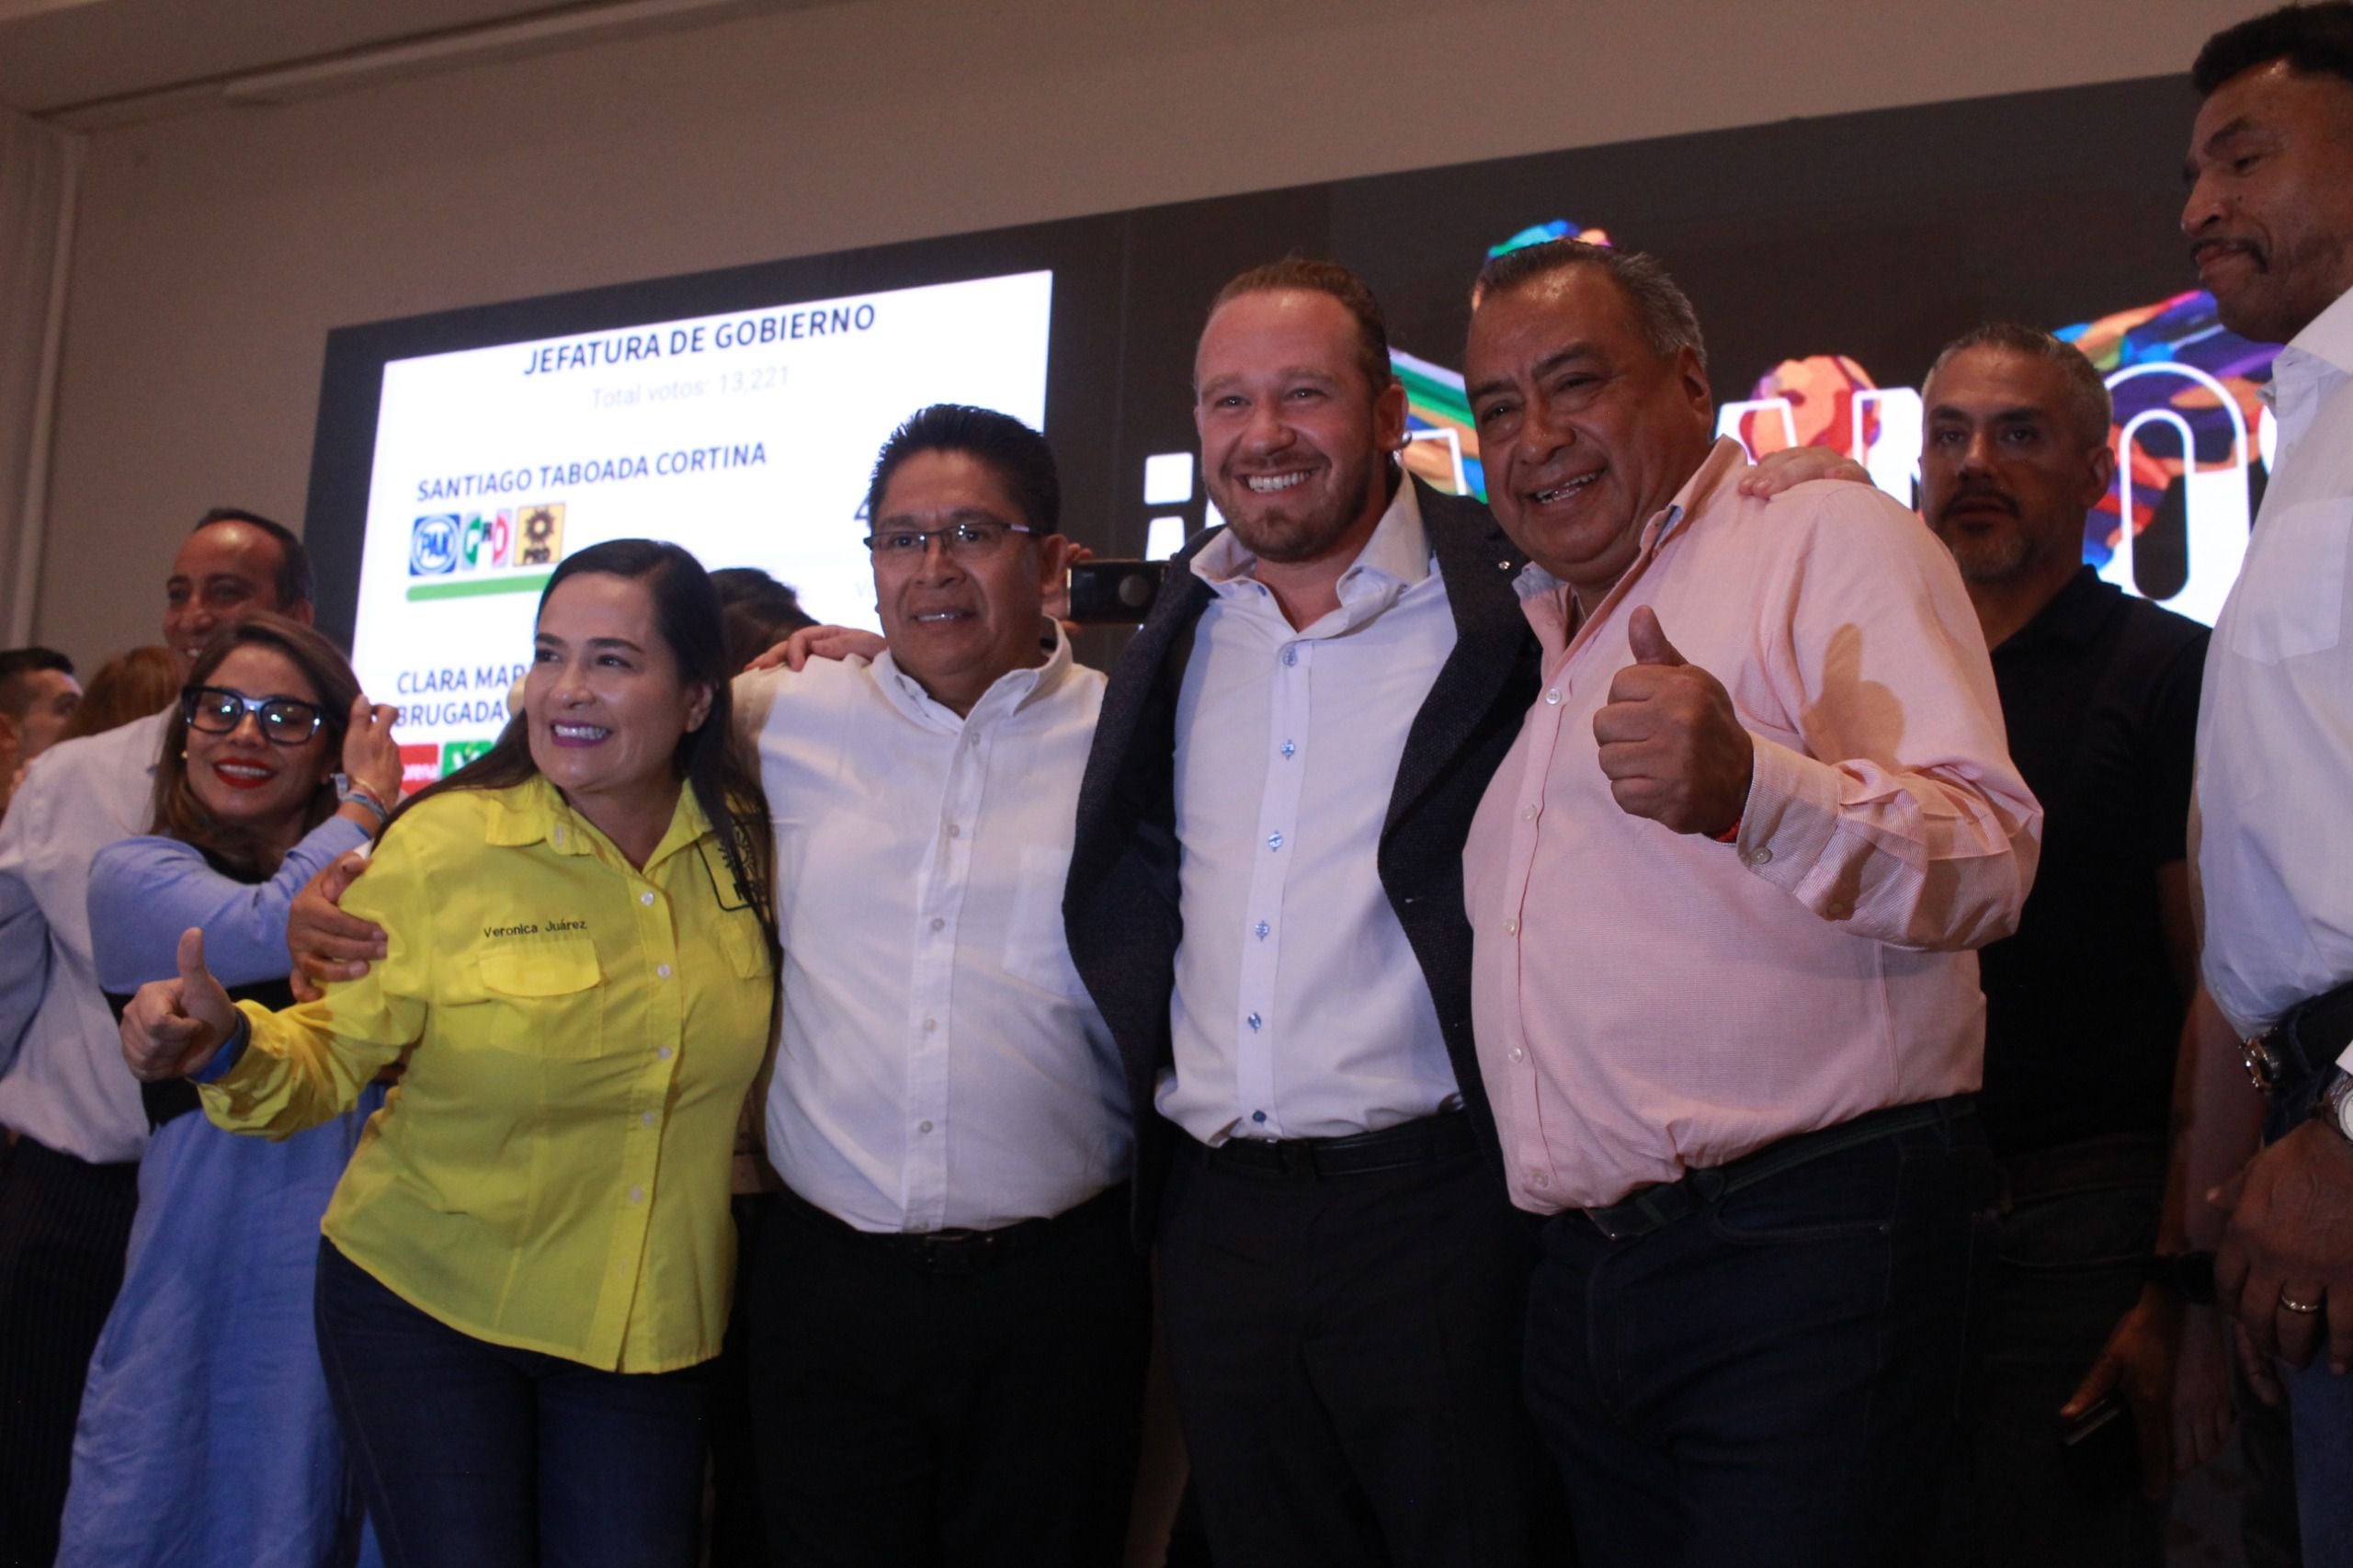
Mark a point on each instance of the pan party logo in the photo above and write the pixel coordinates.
(446, 543)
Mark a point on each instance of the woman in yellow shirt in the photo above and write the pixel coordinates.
(531, 1254)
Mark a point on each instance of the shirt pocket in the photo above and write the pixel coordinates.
(540, 999)
(747, 946)
(1035, 948)
(2291, 599)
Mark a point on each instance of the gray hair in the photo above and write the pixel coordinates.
(1660, 309)
(2088, 404)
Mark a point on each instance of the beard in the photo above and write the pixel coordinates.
(1303, 524)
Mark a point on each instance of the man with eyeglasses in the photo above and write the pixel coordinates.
(71, 1113)
(948, 1321)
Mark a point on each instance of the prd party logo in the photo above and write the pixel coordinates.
(448, 542)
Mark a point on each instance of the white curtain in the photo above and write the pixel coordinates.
(38, 170)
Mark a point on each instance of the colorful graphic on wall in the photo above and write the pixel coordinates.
(2192, 436)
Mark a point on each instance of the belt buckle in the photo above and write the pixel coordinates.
(2264, 1068)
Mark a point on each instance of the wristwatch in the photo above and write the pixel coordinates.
(2334, 1105)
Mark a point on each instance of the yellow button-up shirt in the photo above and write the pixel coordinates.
(578, 1035)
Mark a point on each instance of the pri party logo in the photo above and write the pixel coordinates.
(448, 542)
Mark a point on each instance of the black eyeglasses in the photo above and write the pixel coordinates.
(217, 711)
(968, 540)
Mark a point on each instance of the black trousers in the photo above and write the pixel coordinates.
(1346, 1355)
(2076, 1225)
(64, 1226)
(966, 1408)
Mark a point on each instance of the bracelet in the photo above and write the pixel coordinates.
(349, 792)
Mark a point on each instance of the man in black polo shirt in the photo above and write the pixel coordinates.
(2087, 1004)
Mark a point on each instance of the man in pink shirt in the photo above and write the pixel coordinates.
(1723, 890)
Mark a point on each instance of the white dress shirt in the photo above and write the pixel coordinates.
(67, 1087)
(2274, 724)
(940, 1064)
(1300, 1010)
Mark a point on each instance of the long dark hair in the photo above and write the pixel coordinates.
(178, 814)
(708, 759)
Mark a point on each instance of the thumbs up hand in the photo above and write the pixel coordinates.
(172, 1027)
(1672, 746)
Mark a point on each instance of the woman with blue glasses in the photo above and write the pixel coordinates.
(192, 1451)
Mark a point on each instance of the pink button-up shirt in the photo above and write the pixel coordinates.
(1648, 1002)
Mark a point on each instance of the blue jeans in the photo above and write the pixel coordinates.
(1772, 1380)
(474, 1455)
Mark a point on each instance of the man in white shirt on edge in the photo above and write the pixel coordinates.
(2270, 222)
(948, 1318)
(70, 1109)
(1267, 900)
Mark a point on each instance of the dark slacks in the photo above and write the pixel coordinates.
(964, 1406)
(1345, 1351)
(474, 1455)
(2071, 1246)
(64, 1226)
(1770, 1380)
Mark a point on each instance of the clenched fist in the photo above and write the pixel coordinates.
(1671, 747)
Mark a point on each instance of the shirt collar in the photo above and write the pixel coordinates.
(1009, 693)
(1396, 557)
(2328, 336)
(536, 809)
(2074, 616)
(1725, 461)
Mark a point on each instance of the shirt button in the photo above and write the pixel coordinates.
(1518, 1054)
(1289, 750)
(1274, 841)
(1759, 855)
(645, 1118)
(923, 1127)
(1553, 697)
(662, 1052)
(558, 834)
(645, 898)
(1258, 1116)
(930, 1024)
(1511, 927)
(955, 832)
(1528, 813)
(1538, 1181)
(637, 1195)
(1255, 1021)
(938, 923)
(1262, 928)
(1291, 655)
(664, 971)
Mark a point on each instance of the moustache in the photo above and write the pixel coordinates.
(2001, 500)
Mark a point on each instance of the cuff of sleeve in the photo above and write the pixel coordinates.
(232, 1051)
(2344, 1059)
(1792, 814)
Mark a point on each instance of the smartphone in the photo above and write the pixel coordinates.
(1114, 593)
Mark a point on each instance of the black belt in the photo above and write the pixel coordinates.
(1655, 1208)
(953, 1251)
(1444, 1136)
(2304, 1044)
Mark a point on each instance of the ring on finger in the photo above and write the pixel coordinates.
(2303, 1309)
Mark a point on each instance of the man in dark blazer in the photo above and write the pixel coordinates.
(1266, 902)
